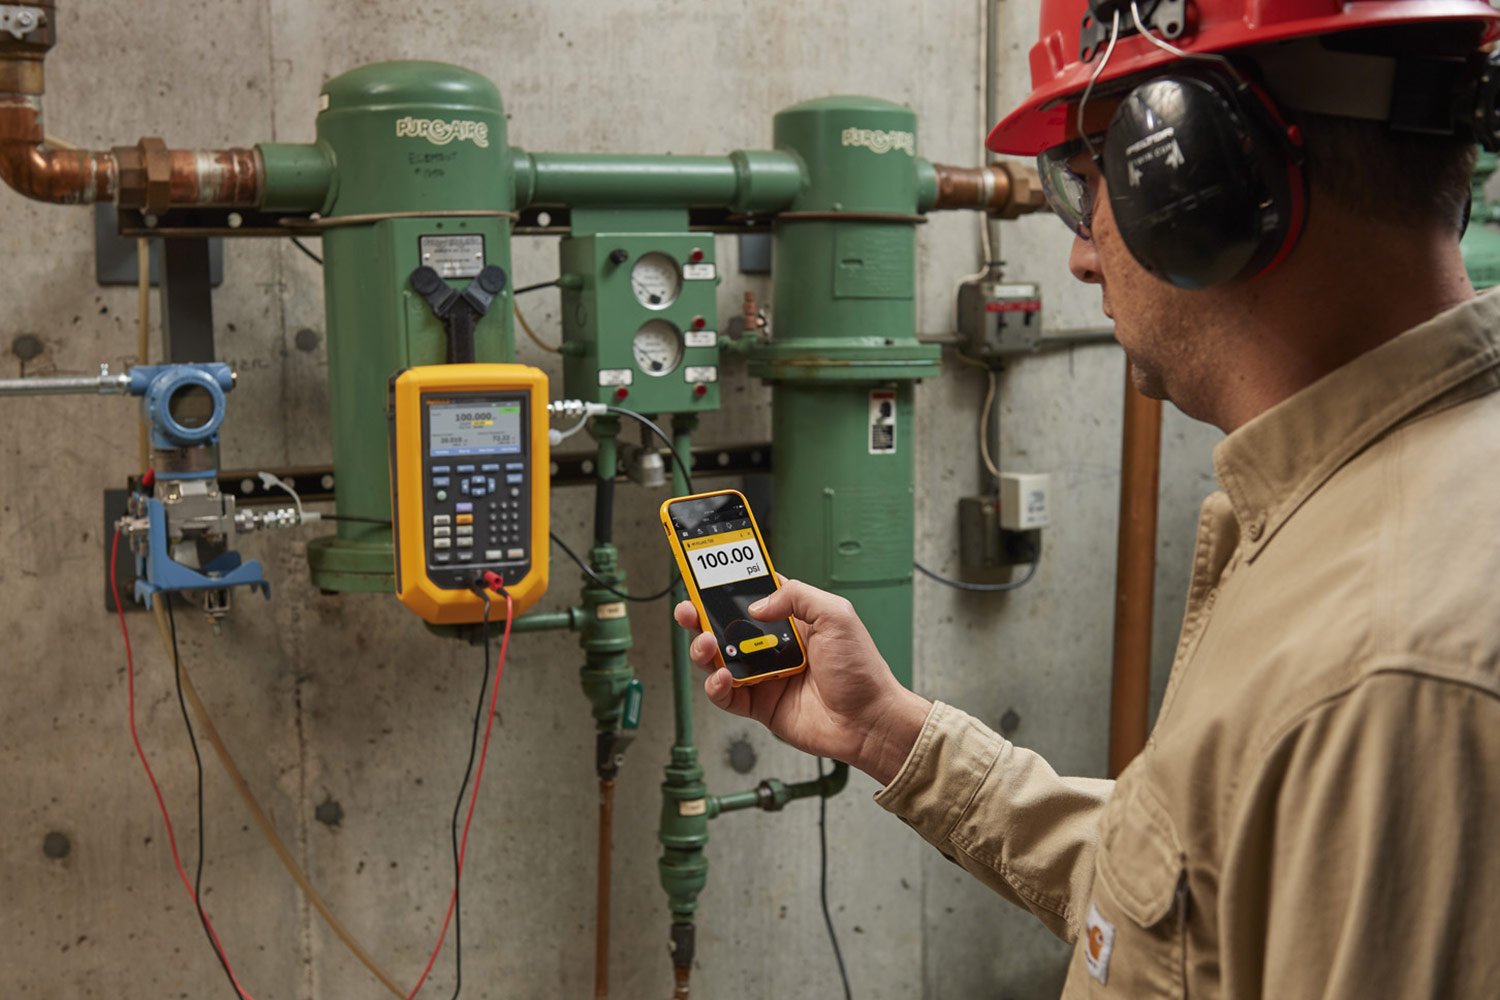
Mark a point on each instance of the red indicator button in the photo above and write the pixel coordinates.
(621, 392)
(696, 255)
(700, 390)
(699, 322)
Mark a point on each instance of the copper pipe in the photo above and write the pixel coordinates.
(680, 982)
(1135, 576)
(148, 176)
(1004, 189)
(601, 918)
(40, 171)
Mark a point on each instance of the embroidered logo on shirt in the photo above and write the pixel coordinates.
(1098, 944)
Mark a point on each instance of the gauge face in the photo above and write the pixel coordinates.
(656, 280)
(658, 347)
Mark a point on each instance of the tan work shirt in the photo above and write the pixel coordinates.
(1317, 813)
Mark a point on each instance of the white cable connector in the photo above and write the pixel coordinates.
(578, 408)
(268, 480)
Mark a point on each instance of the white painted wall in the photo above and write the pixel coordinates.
(348, 698)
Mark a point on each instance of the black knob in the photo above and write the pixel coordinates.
(425, 281)
(492, 279)
(618, 256)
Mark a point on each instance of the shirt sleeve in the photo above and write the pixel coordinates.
(1002, 814)
(1362, 862)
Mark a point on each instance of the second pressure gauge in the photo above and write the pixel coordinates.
(657, 347)
(656, 280)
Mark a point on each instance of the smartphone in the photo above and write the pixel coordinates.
(725, 565)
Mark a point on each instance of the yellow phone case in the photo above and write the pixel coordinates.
(696, 598)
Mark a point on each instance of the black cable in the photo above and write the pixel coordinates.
(198, 765)
(537, 287)
(604, 511)
(982, 588)
(654, 429)
(823, 880)
(303, 247)
(458, 909)
(357, 520)
(589, 572)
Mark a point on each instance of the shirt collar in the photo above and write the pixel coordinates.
(1272, 464)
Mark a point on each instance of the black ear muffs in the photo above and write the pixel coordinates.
(1205, 179)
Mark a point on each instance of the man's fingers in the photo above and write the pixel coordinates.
(686, 616)
(797, 599)
(703, 648)
(721, 692)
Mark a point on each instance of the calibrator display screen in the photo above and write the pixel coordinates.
(730, 570)
(473, 427)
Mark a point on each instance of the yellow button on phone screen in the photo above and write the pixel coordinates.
(758, 643)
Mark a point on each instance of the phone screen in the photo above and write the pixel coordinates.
(723, 552)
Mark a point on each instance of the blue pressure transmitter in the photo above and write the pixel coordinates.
(183, 404)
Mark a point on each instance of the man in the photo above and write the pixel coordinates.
(1268, 194)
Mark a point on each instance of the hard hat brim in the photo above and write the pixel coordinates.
(1058, 76)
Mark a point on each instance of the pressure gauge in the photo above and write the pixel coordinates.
(657, 347)
(656, 280)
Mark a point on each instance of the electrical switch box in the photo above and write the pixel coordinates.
(1023, 500)
(986, 542)
(999, 319)
(640, 320)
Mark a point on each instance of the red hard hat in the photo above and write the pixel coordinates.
(1058, 73)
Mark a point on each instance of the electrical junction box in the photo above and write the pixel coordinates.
(998, 319)
(640, 320)
(1023, 500)
(996, 531)
(984, 546)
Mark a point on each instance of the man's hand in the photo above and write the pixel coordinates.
(846, 705)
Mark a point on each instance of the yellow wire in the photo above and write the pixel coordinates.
(210, 733)
(538, 341)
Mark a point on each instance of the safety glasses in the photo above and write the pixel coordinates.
(1066, 190)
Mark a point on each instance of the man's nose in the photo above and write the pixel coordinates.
(1083, 261)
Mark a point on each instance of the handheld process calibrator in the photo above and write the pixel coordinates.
(416, 195)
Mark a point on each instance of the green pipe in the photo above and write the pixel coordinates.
(683, 832)
(606, 639)
(571, 620)
(683, 680)
(927, 185)
(772, 794)
(299, 176)
(744, 181)
(845, 357)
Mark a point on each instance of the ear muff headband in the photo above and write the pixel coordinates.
(1205, 179)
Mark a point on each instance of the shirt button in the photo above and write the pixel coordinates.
(1257, 526)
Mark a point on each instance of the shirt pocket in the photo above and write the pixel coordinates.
(1137, 920)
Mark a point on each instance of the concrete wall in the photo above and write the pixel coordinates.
(348, 700)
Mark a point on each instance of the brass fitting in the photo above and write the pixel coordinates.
(145, 172)
(1007, 190)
